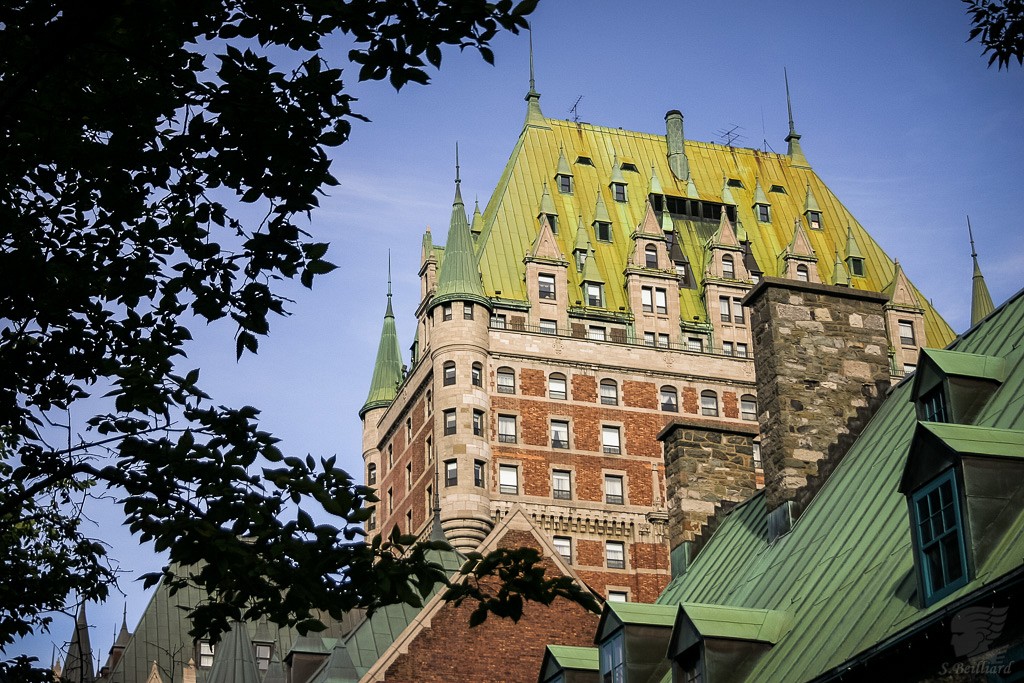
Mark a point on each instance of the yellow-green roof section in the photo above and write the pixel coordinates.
(510, 226)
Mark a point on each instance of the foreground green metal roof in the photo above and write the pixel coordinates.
(737, 623)
(575, 658)
(957, 364)
(510, 226)
(643, 613)
(845, 572)
(974, 440)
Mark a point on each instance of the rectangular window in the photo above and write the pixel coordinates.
(748, 408)
(856, 266)
(478, 473)
(908, 368)
(610, 441)
(391, 501)
(506, 381)
(619, 192)
(478, 423)
(757, 455)
(371, 474)
(429, 449)
(669, 400)
(660, 301)
(508, 479)
(546, 286)
(467, 310)
(564, 183)
(451, 473)
(263, 651)
(763, 213)
(595, 297)
(647, 299)
(615, 554)
(741, 350)
(446, 311)
(498, 321)
(618, 596)
(603, 231)
(737, 311)
(612, 654)
(906, 333)
(408, 522)
(709, 404)
(449, 373)
(941, 554)
(727, 348)
(563, 546)
(556, 387)
(648, 339)
(724, 309)
(561, 485)
(408, 430)
(597, 333)
(206, 652)
(548, 327)
(613, 492)
(371, 523)
(476, 375)
(449, 422)
(695, 344)
(814, 220)
(559, 434)
(933, 406)
(609, 393)
(408, 477)
(663, 341)
(506, 429)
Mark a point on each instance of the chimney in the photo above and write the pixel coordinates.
(821, 360)
(674, 138)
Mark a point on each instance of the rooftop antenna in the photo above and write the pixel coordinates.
(575, 111)
(731, 135)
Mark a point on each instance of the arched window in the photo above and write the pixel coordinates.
(651, 256)
(748, 407)
(449, 373)
(728, 268)
(506, 381)
(801, 273)
(669, 399)
(709, 403)
(556, 385)
(477, 375)
(609, 392)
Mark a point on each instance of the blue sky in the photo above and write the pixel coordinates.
(899, 116)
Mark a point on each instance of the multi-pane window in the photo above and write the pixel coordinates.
(506, 429)
(467, 310)
(757, 454)
(619, 192)
(938, 526)
(613, 490)
(609, 392)
(477, 375)
(613, 659)
(727, 349)
(478, 423)
(603, 230)
(478, 473)
(206, 652)
(814, 220)
(737, 311)
(615, 554)
(695, 344)
(725, 309)
(546, 286)
(449, 422)
(681, 272)
(764, 214)
(263, 651)
(446, 311)
(564, 183)
(933, 405)
(371, 474)
(618, 596)
(561, 484)
(506, 378)
(748, 407)
(451, 473)
(449, 373)
(556, 386)
(559, 434)
(595, 294)
(741, 350)
(709, 403)
(548, 327)
(648, 339)
(663, 340)
(647, 299)
(597, 333)
(802, 274)
(660, 301)
(563, 546)
(669, 399)
(906, 332)
(499, 321)
(610, 440)
(728, 267)
(651, 256)
(508, 479)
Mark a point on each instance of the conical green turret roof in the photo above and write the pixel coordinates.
(387, 371)
(981, 300)
(840, 276)
(459, 278)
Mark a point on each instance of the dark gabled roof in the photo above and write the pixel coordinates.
(845, 572)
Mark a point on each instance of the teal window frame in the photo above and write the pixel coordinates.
(940, 544)
(612, 658)
(933, 405)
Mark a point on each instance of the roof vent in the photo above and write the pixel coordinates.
(584, 161)
(777, 188)
(629, 167)
(734, 182)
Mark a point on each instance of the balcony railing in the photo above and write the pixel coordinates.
(627, 341)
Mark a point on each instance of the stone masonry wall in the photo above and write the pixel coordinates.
(820, 354)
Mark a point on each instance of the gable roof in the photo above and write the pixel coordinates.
(854, 538)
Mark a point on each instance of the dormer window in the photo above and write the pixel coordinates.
(906, 332)
(603, 231)
(619, 192)
(546, 286)
(613, 658)
(651, 256)
(814, 220)
(728, 268)
(856, 266)
(952, 386)
(763, 212)
(802, 274)
(933, 405)
(939, 537)
(581, 258)
(594, 293)
(564, 183)
(552, 221)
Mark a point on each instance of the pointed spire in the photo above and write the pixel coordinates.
(617, 171)
(655, 185)
(852, 250)
(840, 276)
(691, 188)
(478, 219)
(582, 242)
(796, 153)
(741, 232)
(427, 246)
(726, 192)
(533, 113)
(235, 661)
(78, 664)
(590, 270)
(667, 226)
(899, 291)
(387, 370)
(601, 211)
(650, 226)
(436, 530)
(759, 196)
(725, 235)
(563, 163)
(547, 204)
(810, 203)
(981, 300)
(460, 275)
(546, 246)
(800, 244)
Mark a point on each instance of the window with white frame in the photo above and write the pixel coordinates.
(563, 546)
(507, 429)
(561, 484)
(663, 340)
(669, 399)
(499, 321)
(748, 407)
(610, 440)
(597, 333)
(478, 423)
(763, 213)
(728, 267)
(709, 403)
(727, 348)
(449, 373)
(449, 422)
(802, 274)
(206, 653)
(737, 311)
(609, 392)
(557, 386)
(695, 344)
(508, 479)
(660, 300)
(814, 220)
(648, 339)
(613, 489)
(446, 311)
(548, 327)
(477, 375)
(595, 294)
(615, 554)
(559, 434)
(478, 473)
(612, 658)
(906, 332)
(651, 256)
(647, 299)
(451, 473)
(546, 286)
(741, 350)
(371, 474)
(725, 309)
(618, 596)
(506, 380)
(467, 310)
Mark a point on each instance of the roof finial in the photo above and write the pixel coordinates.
(789, 103)
(796, 154)
(974, 254)
(533, 86)
(457, 179)
(389, 273)
(533, 113)
(981, 300)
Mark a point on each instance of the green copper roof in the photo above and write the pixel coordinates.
(387, 370)
(759, 196)
(975, 440)
(582, 242)
(810, 203)
(235, 659)
(795, 152)
(691, 188)
(852, 250)
(617, 171)
(840, 276)
(574, 657)
(601, 211)
(981, 300)
(958, 364)
(590, 270)
(478, 219)
(563, 165)
(727, 197)
(655, 184)
(845, 572)
(546, 205)
(459, 276)
(737, 623)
